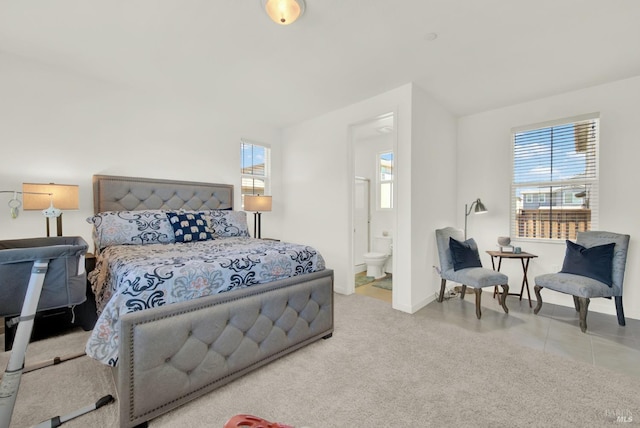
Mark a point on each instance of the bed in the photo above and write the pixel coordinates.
(160, 327)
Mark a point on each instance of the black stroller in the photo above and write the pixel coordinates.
(35, 275)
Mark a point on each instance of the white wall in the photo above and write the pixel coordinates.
(63, 127)
(318, 174)
(60, 126)
(433, 190)
(484, 165)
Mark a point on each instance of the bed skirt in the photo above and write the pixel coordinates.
(173, 354)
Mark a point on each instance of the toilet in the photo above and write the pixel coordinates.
(377, 259)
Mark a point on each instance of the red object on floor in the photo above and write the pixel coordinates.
(249, 421)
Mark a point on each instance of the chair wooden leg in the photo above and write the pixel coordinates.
(537, 289)
(443, 283)
(576, 303)
(619, 310)
(478, 296)
(584, 305)
(503, 297)
(463, 291)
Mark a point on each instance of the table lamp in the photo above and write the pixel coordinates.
(52, 199)
(257, 204)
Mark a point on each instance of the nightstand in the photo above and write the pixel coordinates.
(57, 321)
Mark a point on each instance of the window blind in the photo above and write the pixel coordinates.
(555, 179)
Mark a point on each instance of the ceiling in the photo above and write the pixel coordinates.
(228, 59)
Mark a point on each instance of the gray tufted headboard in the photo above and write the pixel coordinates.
(114, 193)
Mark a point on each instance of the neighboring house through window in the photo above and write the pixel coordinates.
(255, 168)
(385, 180)
(554, 191)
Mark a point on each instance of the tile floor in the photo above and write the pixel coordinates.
(554, 330)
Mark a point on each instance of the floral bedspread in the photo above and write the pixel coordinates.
(130, 278)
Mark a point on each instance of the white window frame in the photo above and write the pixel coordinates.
(382, 182)
(591, 183)
(246, 174)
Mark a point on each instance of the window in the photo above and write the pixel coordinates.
(385, 179)
(255, 169)
(554, 191)
(570, 198)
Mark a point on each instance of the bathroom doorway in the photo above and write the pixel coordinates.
(372, 148)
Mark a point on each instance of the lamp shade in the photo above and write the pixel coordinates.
(480, 208)
(257, 203)
(64, 196)
(284, 12)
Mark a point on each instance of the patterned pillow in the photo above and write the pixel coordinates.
(224, 223)
(131, 227)
(189, 227)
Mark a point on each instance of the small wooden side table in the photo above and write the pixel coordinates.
(524, 260)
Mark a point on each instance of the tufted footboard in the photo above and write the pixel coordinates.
(173, 354)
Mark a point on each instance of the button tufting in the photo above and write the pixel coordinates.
(168, 360)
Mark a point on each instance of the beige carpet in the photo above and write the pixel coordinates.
(381, 368)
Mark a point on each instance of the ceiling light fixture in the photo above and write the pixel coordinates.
(284, 12)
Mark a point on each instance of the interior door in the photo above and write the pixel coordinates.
(361, 220)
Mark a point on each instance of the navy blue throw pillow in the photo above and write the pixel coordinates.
(595, 262)
(189, 227)
(464, 254)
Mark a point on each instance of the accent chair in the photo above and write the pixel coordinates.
(589, 270)
(475, 276)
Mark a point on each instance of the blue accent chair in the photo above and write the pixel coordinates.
(474, 277)
(583, 288)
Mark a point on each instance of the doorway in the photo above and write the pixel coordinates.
(373, 214)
